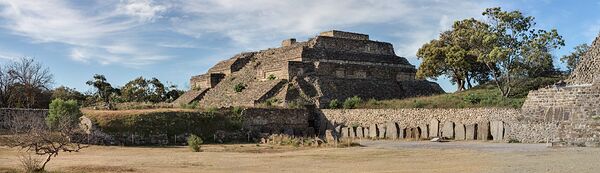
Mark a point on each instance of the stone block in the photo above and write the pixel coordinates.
(483, 131)
(416, 133)
(448, 130)
(497, 130)
(344, 133)
(329, 137)
(381, 131)
(359, 132)
(288, 131)
(409, 133)
(401, 132)
(373, 131)
(424, 131)
(434, 125)
(366, 132)
(459, 131)
(470, 132)
(391, 131)
(352, 132)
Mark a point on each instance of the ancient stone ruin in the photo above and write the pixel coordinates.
(332, 65)
(573, 106)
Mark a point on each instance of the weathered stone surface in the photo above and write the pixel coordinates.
(329, 137)
(360, 132)
(401, 132)
(344, 133)
(416, 133)
(483, 131)
(434, 126)
(497, 130)
(381, 128)
(424, 131)
(459, 131)
(448, 130)
(470, 132)
(288, 131)
(409, 133)
(352, 132)
(373, 131)
(342, 59)
(391, 131)
(366, 132)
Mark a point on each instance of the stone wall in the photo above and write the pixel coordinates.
(588, 69)
(458, 124)
(8, 115)
(277, 121)
(342, 34)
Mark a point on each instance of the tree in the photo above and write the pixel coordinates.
(31, 133)
(515, 46)
(572, 60)
(104, 90)
(142, 90)
(63, 112)
(66, 93)
(455, 54)
(25, 84)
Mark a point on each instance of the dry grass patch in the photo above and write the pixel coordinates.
(96, 168)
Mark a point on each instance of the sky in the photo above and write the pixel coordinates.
(176, 39)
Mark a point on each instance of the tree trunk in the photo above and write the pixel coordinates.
(47, 160)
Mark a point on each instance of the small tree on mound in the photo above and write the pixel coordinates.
(63, 112)
(48, 137)
(194, 143)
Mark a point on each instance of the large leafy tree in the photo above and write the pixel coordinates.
(573, 59)
(142, 90)
(104, 90)
(516, 47)
(455, 54)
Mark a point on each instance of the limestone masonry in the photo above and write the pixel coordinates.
(574, 107)
(332, 65)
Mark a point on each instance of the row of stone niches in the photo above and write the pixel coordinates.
(494, 130)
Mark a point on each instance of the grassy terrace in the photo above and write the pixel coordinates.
(477, 97)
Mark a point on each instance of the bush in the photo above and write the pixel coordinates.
(352, 102)
(271, 102)
(239, 87)
(194, 143)
(30, 163)
(335, 104)
(61, 111)
(271, 77)
(192, 105)
(472, 98)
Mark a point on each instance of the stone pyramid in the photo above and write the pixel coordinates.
(588, 70)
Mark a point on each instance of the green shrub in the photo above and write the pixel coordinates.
(239, 87)
(472, 98)
(271, 77)
(194, 143)
(211, 111)
(335, 104)
(63, 113)
(237, 111)
(192, 105)
(419, 104)
(352, 102)
(271, 102)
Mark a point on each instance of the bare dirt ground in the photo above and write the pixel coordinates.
(374, 156)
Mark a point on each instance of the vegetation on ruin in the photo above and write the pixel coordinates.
(239, 87)
(169, 122)
(478, 97)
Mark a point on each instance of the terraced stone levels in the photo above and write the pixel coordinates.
(333, 65)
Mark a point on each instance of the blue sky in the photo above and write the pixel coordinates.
(175, 39)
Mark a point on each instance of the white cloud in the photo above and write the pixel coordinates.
(145, 10)
(254, 23)
(97, 26)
